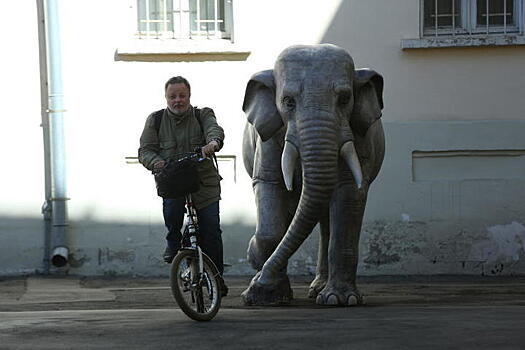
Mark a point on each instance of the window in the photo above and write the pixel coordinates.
(471, 17)
(168, 31)
(184, 19)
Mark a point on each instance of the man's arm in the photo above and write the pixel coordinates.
(149, 146)
(213, 133)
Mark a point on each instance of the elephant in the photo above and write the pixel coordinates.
(313, 143)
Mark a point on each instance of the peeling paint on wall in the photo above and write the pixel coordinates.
(78, 259)
(505, 243)
(387, 243)
(428, 247)
(108, 255)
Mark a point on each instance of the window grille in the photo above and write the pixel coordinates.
(471, 17)
(184, 19)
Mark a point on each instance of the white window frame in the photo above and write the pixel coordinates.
(181, 16)
(469, 25)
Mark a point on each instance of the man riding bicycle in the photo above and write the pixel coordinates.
(180, 128)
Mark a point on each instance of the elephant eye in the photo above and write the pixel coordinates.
(289, 103)
(344, 98)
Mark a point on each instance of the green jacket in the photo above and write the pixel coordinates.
(180, 135)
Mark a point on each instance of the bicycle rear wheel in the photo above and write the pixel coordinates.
(198, 295)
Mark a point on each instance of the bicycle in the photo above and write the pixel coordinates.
(194, 278)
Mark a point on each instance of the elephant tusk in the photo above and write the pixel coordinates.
(349, 154)
(288, 161)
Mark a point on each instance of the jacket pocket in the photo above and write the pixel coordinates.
(208, 174)
(210, 180)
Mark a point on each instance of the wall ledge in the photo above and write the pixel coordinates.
(462, 41)
(174, 50)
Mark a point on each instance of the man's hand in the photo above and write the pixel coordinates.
(210, 149)
(158, 165)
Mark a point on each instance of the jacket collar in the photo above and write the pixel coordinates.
(180, 118)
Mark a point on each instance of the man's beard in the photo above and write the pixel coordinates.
(178, 112)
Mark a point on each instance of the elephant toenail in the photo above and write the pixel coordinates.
(352, 300)
(332, 300)
(319, 300)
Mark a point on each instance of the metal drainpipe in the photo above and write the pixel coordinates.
(56, 143)
(46, 207)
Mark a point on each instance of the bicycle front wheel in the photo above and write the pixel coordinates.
(197, 294)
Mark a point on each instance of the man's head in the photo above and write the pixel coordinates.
(177, 92)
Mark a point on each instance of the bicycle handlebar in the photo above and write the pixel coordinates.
(195, 155)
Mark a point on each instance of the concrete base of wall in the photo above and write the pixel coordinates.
(387, 248)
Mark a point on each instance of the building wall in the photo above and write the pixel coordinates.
(448, 198)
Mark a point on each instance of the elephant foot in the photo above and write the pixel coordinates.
(316, 286)
(276, 292)
(347, 296)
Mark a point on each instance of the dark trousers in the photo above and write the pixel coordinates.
(210, 234)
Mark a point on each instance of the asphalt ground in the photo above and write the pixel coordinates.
(415, 312)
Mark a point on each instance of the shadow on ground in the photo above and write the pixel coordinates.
(384, 291)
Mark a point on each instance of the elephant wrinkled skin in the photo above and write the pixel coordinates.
(313, 144)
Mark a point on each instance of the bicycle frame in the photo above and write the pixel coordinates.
(190, 231)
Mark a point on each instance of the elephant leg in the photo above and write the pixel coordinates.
(346, 216)
(273, 220)
(321, 274)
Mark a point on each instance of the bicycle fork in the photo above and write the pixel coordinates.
(192, 229)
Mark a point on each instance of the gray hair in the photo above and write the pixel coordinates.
(178, 80)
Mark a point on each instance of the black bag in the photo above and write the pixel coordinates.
(177, 179)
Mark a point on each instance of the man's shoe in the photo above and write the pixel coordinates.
(223, 288)
(169, 255)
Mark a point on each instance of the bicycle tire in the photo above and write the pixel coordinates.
(199, 301)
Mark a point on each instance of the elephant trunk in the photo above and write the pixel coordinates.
(319, 152)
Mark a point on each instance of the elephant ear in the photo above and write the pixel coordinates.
(368, 92)
(259, 104)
